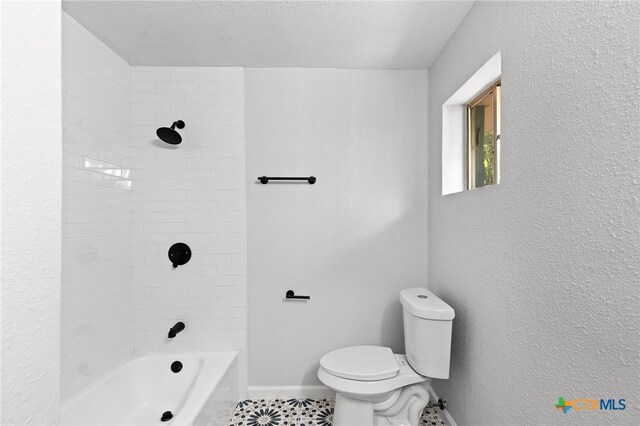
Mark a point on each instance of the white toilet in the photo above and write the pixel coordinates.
(376, 387)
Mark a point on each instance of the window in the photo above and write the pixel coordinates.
(483, 138)
(455, 134)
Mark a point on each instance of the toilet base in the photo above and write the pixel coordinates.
(352, 411)
(401, 407)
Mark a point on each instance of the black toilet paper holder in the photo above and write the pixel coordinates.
(291, 295)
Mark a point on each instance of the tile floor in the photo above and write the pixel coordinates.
(301, 412)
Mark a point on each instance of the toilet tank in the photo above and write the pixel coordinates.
(427, 332)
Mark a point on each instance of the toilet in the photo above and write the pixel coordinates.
(376, 387)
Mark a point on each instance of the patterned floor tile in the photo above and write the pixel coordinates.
(432, 416)
(301, 412)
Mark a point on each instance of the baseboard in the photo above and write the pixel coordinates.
(447, 416)
(287, 392)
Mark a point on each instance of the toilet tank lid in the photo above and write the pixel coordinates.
(424, 304)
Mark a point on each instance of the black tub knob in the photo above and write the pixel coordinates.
(166, 416)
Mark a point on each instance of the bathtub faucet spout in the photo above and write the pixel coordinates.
(173, 331)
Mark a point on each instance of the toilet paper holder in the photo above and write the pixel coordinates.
(291, 295)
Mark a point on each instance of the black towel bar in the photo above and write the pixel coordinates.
(291, 295)
(265, 179)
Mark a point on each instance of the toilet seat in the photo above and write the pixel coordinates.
(404, 377)
(366, 363)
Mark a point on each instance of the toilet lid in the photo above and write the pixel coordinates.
(365, 363)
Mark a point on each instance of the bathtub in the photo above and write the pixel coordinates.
(204, 391)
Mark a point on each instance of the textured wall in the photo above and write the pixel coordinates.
(192, 193)
(96, 208)
(543, 269)
(355, 238)
(31, 164)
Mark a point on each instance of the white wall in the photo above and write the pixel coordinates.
(30, 169)
(192, 193)
(96, 208)
(352, 240)
(543, 269)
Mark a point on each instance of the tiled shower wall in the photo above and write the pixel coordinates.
(96, 209)
(192, 193)
(127, 197)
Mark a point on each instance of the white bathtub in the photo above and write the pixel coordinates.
(138, 392)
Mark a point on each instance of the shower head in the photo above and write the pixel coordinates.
(169, 134)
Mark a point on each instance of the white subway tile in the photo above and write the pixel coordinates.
(175, 87)
(164, 195)
(231, 237)
(235, 109)
(239, 323)
(180, 346)
(222, 152)
(209, 131)
(211, 324)
(164, 163)
(146, 347)
(143, 119)
(194, 109)
(150, 109)
(230, 291)
(222, 87)
(207, 98)
(180, 216)
(144, 217)
(164, 228)
(231, 270)
(168, 98)
(151, 174)
(192, 193)
(192, 74)
(209, 227)
(237, 130)
(179, 184)
(150, 75)
(236, 99)
(229, 75)
(143, 87)
(227, 120)
(150, 206)
(226, 345)
(96, 275)
(166, 292)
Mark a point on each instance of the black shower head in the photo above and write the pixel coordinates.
(169, 134)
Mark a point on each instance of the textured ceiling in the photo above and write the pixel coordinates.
(339, 34)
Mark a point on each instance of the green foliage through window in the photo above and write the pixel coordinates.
(483, 130)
